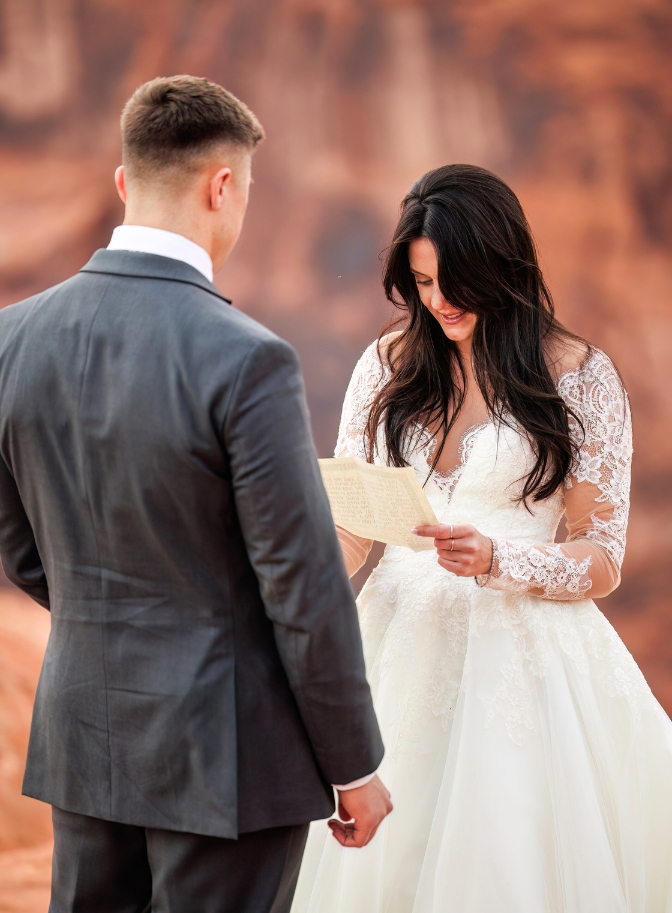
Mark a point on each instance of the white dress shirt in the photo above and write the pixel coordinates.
(145, 240)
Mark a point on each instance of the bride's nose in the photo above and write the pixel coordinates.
(437, 301)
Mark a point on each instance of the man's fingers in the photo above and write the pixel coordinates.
(352, 835)
(344, 833)
(353, 838)
(371, 834)
(342, 838)
(361, 810)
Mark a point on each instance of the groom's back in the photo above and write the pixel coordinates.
(114, 395)
(111, 391)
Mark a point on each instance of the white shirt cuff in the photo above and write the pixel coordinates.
(355, 783)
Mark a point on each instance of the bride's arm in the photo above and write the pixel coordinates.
(355, 550)
(588, 563)
(365, 381)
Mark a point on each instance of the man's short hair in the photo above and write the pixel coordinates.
(173, 122)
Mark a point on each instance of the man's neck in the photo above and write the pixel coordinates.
(175, 222)
(150, 240)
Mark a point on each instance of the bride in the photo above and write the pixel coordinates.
(529, 763)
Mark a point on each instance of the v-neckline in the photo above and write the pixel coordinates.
(446, 481)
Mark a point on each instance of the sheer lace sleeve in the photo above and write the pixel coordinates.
(355, 550)
(366, 379)
(597, 496)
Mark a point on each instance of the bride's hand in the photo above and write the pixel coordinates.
(460, 547)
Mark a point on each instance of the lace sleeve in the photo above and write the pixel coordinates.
(597, 498)
(366, 379)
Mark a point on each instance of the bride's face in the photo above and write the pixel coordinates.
(456, 324)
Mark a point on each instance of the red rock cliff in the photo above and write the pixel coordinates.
(569, 102)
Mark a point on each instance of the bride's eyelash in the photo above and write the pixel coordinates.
(423, 281)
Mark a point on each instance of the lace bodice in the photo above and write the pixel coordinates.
(595, 499)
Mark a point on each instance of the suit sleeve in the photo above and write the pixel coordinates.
(292, 544)
(18, 550)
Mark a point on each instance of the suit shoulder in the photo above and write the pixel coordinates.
(14, 316)
(248, 326)
(222, 318)
(15, 312)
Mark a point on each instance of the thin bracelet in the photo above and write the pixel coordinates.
(482, 579)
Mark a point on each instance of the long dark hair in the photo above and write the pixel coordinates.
(487, 265)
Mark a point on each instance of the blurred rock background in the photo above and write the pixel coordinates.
(571, 103)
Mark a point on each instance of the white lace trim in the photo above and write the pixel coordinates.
(416, 622)
(537, 627)
(604, 452)
(404, 612)
(519, 568)
(447, 481)
(596, 394)
(367, 379)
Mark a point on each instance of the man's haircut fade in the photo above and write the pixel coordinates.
(171, 122)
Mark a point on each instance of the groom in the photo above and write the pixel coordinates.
(204, 683)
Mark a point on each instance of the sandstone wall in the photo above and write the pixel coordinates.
(570, 102)
(25, 825)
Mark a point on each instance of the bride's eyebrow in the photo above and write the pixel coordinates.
(418, 273)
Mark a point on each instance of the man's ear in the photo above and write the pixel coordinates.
(219, 184)
(120, 183)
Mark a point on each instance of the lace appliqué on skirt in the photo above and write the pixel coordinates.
(538, 628)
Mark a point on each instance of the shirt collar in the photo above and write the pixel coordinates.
(146, 240)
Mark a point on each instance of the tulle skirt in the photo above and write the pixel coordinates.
(530, 765)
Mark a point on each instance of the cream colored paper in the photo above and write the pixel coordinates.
(377, 502)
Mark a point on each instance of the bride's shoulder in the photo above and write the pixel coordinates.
(377, 353)
(589, 383)
(574, 360)
(566, 356)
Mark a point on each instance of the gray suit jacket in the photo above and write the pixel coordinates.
(159, 493)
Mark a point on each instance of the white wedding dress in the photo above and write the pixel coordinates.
(530, 765)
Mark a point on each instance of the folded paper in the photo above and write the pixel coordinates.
(377, 502)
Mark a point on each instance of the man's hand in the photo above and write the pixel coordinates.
(460, 547)
(367, 805)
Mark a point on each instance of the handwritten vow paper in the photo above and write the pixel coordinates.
(377, 502)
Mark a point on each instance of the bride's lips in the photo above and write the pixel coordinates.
(452, 319)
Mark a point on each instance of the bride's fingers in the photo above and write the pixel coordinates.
(460, 530)
(463, 546)
(430, 532)
(444, 531)
(459, 535)
(451, 562)
(459, 568)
